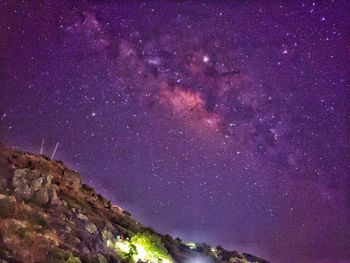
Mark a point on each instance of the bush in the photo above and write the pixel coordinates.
(144, 247)
(7, 207)
(58, 255)
(35, 218)
(151, 245)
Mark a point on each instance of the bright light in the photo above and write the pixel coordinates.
(199, 259)
(206, 59)
(191, 245)
(121, 246)
(143, 247)
(141, 253)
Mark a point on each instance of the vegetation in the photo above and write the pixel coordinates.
(145, 247)
(7, 207)
(35, 218)
(58, 255)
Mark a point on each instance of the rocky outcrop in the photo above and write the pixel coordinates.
(48, 215)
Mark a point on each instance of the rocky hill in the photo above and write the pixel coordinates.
(48, 215)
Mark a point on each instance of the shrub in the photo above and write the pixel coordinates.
(58, 255)
(7, 207)
(145, 247)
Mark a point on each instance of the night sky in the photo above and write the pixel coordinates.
(222, 121)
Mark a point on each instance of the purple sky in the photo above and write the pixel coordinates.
(221, 121)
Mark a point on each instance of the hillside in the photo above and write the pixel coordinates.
(48, 215)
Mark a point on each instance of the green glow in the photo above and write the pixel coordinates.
(144, 247)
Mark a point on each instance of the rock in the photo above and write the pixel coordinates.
(69, 218)
(19, 176)
(54, 200)
(90, 227)
(101, 259)
(71, 181)
(37, 179)
(36, 183)
(41, 196)
(104, 201)
(21, 184)
(77, 240)
(82, 217)
(32, 184)
(3, 182)
(110, 227)
(106, 234)
(68, 229)
(84, 250)
(48, 179)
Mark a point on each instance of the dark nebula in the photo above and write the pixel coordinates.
(218, 121)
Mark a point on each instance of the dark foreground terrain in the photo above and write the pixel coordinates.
(48, 215)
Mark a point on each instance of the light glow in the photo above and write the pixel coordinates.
(143, 247)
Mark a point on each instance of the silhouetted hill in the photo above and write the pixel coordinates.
(48, 215)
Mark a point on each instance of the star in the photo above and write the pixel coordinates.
(180, 117)
(206, 59)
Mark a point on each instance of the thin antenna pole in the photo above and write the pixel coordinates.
(42, 146)
(54, 151)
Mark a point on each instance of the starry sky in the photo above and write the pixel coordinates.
(218, 121)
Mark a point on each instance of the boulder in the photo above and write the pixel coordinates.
(21, 184)
(90, 227)
(54, 199)
(42, 196)
(107, 235)
(32, 185)
(71, 181)
(37, 182)
(82, 217)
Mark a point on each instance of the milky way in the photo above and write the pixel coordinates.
(224, 122)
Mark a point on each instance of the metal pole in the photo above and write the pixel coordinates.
(54, 151)
(42, 146)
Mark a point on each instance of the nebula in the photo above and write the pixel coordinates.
(217, 121)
